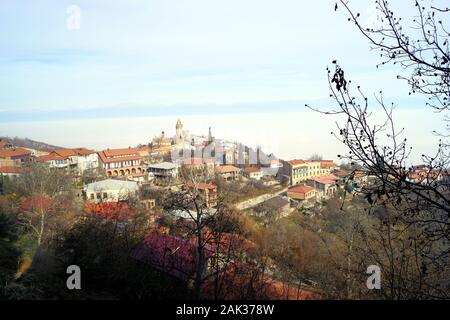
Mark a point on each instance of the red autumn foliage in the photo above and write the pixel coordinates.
(172, 255)
(37, 202)
(238, 281)
(228, 242)
(110, 210)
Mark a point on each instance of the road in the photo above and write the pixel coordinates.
(257, 200)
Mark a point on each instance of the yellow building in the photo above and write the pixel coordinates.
(299, 171)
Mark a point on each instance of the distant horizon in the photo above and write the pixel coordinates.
(293, 142)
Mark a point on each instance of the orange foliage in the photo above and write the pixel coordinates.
(110, 210)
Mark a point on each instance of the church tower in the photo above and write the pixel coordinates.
(210, 137)
(179, 139)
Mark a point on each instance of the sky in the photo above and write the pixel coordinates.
(126, 70)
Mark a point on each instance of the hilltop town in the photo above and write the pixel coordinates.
(214, 205)
(158, 165)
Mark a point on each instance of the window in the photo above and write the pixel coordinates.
(105, 195)
(92, 196)
(99, 196)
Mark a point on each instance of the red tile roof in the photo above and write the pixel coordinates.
(113, 155)
(252, 170)
(327, 164)
(297, 161)
(50, 157)
(301, 189)
(227, 168)
(14, 152)
(201, 185)
(120, 152)
(341, 173)
(325, 179)
(64, 152)
(73, 152)
(15, 170)
(323, 163)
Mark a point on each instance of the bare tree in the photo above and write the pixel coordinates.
(192, 204)
(47, 197)
(422, 47)
(417, 202)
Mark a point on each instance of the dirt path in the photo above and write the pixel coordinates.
(257, 200)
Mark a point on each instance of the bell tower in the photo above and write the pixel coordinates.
(179, 139)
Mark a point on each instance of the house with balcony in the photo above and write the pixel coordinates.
(228, 172)
(80, 159)
(163, 171)
(54, 160)
(121, 162)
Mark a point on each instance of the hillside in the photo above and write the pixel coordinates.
(28, 143)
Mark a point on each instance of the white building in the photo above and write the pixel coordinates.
(86, 160)
(78, 159)
(111, 190)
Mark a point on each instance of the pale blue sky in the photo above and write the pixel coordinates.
(136, 58)
(154, 54)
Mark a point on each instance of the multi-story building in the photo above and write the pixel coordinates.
(82, 159)
(206, 191)
(253, 173)
(56, 160)
(121, 162)
(299, 171)
(228, 172)
(325, 186)
(163, 170)
(76, 159)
